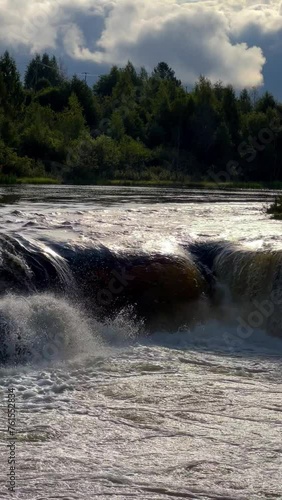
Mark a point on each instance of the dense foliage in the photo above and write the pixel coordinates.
(133, 125)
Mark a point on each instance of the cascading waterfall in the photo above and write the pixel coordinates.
(163, 290)
(29, 265)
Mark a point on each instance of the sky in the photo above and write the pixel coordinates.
(237, 42)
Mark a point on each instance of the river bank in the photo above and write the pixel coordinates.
(275, 185)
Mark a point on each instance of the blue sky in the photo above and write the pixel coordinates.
(236, 42)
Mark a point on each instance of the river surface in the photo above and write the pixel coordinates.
(114, 412)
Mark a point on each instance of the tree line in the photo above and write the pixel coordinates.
(133, 125)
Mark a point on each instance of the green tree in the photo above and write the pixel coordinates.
(87, 101)
(204, 93)
(39, 138)
(71, 122)
(222, 147)
(117, 126)
(245, 102)
(106, 83)
(56, 98)
(265, 102)
(107, 151)
(231, 113)
(205, 120)
(10, 85)
(91, 159)
(164, 72)
(133, 153)
(43, 67)
(82, 163)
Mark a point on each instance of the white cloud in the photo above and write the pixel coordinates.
(194, 37)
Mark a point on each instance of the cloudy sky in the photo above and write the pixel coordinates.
(238, 42)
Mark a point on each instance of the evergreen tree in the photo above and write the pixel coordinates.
(265, 102)
(86, 99)
(11, 92)
(245, 102)
(43, 68)
(106, 83)
(164, 72)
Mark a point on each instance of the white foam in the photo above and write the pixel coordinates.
(47, 327)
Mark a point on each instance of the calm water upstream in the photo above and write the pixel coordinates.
(141, 330)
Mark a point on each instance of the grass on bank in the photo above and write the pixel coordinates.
(275, 208)
(191, 184)
(37, 180)
(12, 180)
(185, 183)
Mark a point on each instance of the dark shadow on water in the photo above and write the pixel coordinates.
(106, 196)
(9, 199)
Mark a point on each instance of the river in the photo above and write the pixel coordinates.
(141, 335)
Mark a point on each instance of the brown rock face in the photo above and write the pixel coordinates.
(161, 288)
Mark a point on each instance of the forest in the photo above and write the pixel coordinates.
(133, 126)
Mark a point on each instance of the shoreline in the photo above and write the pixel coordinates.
(204, 185)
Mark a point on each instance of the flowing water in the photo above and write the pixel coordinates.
(141, 331)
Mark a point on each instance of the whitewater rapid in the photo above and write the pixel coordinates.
(105, 409)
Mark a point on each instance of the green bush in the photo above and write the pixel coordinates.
(13, 165)
(133, 153)
(90, 159)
